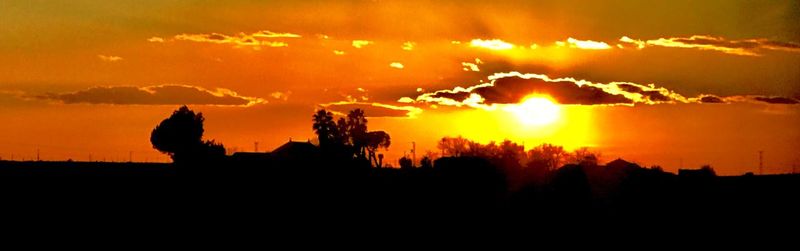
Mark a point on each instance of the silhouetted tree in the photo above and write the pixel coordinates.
(325, 128)
(583, 156)
(405, 163)
(376, 140)
(426, 163)
(454, 147)
(547, 155)
(181, 137)
(708, 170)
(357, 131)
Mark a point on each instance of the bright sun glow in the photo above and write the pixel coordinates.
(537, 111)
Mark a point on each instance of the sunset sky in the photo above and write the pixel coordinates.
(665, 83)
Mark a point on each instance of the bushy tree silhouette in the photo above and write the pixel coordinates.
(375, 141)
(547, 156)
(405, 163)
(181, 137)
(349, 136)
(426, 163)
(357, 131)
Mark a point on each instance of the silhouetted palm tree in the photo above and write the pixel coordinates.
(357, 132)
(325, 128)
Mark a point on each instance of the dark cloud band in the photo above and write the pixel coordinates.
(154, 95)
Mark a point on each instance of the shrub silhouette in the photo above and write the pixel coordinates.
(181, 137)
(405, 163)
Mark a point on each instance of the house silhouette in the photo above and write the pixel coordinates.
(292, 152)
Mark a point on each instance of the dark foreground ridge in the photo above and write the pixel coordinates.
(452, 186)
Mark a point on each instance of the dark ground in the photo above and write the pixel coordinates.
(463, 191)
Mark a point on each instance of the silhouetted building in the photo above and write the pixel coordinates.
(293, 152)
(621, 164)
(296, 150)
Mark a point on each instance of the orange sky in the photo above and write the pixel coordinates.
(92, 78)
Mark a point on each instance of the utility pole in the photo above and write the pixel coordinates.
(760, 162)
(37, 155)
(256, 146)
(130, 156)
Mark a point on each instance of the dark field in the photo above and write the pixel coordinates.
(452, 189)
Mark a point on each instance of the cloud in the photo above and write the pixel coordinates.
(773, 100)
(154, 95)
(109, 58)
(281, 95)
(397, 65)
(408, 46)
(468, 66)
(156, 39)
(745, 47)
(583, 44)
(777, 100)
(493, 44)
(253, 40)
(358, 44)
(712, 99)
(513, 87)
(270, 34)
(373, 109)
(338, 52)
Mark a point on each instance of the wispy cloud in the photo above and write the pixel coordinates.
(109, 58)
(469, 66)
(361, 43)
(281, 95)
(583, 44)
(270, 34)
(493, 44)
(373, 109)
(745, 47)
(156, 39)
(254, 40)
(154, 95)
(408, 46)
(397, 65)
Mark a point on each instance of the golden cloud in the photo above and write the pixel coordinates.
(409, 46)
(109, 58)
(373, 109)
(493, 44)
(358, 44)
(253, 40)
(508, 88)
(397, 65)
(746, 47)
(583, 44)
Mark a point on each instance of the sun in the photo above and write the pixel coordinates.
(536, 111)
